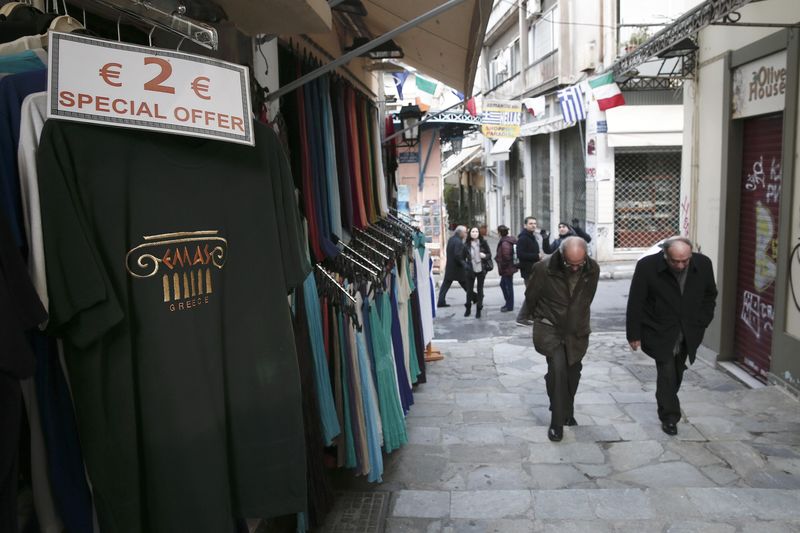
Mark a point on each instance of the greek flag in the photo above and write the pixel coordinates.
(571, 101)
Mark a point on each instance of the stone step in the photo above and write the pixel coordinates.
(686, 504)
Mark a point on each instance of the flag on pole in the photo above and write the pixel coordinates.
(424, 85)
(606, 92)
(471, 108)
(399, 80)
(535, 106)
(571, 101)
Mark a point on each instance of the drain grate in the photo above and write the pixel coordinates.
(358, 512)
(648, 374)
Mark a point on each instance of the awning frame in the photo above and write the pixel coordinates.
(299, 82)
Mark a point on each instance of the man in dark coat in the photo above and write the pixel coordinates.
(670, 305)
(559, 294)
(528, 255)
(456, 266)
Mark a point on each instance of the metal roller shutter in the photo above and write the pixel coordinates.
(758, 240)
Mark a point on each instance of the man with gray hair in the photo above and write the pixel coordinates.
(456, 269)
(559, 296)
(670, 305)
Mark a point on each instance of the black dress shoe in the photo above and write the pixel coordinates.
(442, 305)
(571, 421)
(670, 428)
(555, 434)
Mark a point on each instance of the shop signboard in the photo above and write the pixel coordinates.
(759, 87)
(501, 118)
(120, 84)
(408, 157)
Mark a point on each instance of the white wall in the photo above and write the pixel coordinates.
(711, 111)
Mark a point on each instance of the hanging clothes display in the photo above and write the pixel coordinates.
(60, 491)
(175, 386)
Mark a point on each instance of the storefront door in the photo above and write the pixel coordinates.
(758, 240)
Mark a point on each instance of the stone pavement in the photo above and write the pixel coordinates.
(479, 459)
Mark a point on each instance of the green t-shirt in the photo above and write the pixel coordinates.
(168, 264)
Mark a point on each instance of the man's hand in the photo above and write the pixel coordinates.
(635, 345)
(544, 234)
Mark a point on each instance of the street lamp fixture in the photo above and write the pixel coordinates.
(409, 118)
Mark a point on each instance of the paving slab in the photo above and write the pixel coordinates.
(487, 504)
(421, 504)
(672, 474)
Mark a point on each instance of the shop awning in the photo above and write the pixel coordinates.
(501, 147)
(453, 164)
(544, 126)
(645, 125)
(446, 47)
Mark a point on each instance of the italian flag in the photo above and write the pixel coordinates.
(606, 92)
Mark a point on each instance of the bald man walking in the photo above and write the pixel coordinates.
(670, 305)
(559, 294)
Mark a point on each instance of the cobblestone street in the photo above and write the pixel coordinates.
(479, 458)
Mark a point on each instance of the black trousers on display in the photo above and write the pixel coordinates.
(562, 383)
(668, 382)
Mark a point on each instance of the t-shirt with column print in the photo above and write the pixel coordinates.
(168, 263)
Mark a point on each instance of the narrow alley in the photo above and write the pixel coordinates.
(479, 459)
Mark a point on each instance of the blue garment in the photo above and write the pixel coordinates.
(322, 378)
(64, 457)
(331, 174)
(13, 90)
(406, 396)
(24, 61)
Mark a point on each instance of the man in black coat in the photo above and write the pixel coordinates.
(528, 255)
(559, 294)
(670, 305)
(456, 268)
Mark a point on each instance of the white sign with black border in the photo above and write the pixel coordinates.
(130, 86)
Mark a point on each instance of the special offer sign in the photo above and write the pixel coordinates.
(119, 84)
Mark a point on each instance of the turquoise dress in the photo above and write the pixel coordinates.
(322, 377)
(394, 424)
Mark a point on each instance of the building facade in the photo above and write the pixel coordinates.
(595, 171)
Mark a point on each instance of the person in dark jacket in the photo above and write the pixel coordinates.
(506, 267)
(564, 231)
(476, 253)
(559, 294)
(456, 267)
(670, 304)
(528, 253)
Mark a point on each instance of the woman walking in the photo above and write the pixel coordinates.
(476, 256)
(506, 267)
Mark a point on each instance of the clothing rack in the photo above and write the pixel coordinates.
(167, 15)
(335, 283)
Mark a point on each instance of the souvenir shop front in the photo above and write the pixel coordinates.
(207, 301)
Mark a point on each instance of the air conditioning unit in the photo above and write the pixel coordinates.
(534, 9)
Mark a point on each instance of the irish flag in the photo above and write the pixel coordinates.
(606, 91)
